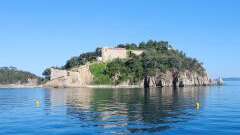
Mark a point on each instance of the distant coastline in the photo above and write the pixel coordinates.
(232, 79)
(18, 86)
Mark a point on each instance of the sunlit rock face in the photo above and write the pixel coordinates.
(179, 79)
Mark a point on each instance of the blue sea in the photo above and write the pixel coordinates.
(86, 111)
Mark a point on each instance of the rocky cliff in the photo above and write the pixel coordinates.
(178, 79)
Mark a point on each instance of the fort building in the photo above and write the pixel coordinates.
(109, 54)
(81, 75)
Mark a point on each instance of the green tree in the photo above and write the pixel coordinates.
(11, 75)
(117, 71)
(99, 72)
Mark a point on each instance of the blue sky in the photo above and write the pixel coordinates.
(35, 35)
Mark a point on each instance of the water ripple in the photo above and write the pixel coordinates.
(120, 111)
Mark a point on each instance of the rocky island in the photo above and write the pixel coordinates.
(147, 64)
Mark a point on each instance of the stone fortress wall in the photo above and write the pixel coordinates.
(76, 77)
(81, 76)
(109, 54)
(57, 73)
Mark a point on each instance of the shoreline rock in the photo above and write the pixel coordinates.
(178, 79)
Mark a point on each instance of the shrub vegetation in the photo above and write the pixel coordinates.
(99, 72)
(11, 75)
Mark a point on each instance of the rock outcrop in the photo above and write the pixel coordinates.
(177, 79)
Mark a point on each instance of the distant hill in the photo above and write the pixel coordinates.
(232, 79)
(11, 75)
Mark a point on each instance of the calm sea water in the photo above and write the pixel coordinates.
(121, 111)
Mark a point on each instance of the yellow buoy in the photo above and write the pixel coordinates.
(197, 105)
(37, 103)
